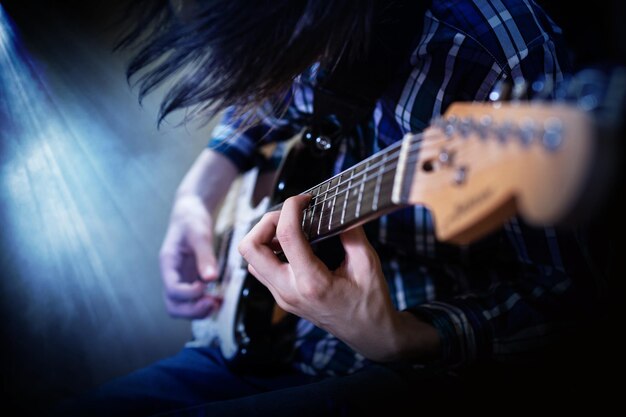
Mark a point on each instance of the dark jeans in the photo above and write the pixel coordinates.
(196, 382)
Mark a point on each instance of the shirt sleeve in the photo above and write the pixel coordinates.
(545, 292)
(242, 146)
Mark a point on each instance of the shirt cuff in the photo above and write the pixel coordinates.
(237, 147)
(465, 335)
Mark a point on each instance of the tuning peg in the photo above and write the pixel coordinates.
(563, 90)
(520, 89)
(501, 91)
(542, 88)
(589, 88)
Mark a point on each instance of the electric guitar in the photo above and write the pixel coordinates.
(474, 168)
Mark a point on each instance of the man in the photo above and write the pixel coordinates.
(403, 313)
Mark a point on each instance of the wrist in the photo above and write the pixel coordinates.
(399, 337)
(412, 338)
(197, 195)
(184, 194)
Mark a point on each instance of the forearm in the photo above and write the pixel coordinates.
(399, 336)
(209, 178)
(512, 321)
(414, 339)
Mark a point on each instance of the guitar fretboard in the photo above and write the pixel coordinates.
(353, 196)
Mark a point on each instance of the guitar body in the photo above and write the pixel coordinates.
(220, 328)
(249, 328)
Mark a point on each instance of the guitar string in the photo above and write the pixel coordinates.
(329, 223)
(368, 185)
(324, 218)
(394, 157)
(412, 156)
(394, 150)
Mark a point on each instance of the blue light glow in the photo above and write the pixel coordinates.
(6, 32)
(29, 130)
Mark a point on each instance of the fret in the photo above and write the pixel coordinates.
(360, 197)
(386, 190)
(321, 211)
(367, 192)
(379, 178)
(313, 204)
(307, 219)
(365, 189)
(304, 217)
(334, 183)
(346, 197)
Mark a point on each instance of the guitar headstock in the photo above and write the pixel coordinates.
(481, 163)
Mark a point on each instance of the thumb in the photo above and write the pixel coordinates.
(201, 243)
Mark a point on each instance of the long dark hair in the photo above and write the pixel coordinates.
(241, 53)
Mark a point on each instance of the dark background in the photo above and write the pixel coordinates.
(595, 30)
(86, 182)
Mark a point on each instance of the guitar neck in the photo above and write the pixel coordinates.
(352, 197)
(474, 168)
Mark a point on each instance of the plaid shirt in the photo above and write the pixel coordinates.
(499, 299)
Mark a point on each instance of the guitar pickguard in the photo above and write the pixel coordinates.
(220, 327)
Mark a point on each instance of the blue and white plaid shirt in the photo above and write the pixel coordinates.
(503, 297)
